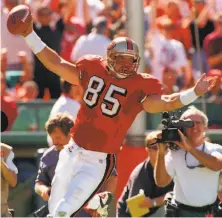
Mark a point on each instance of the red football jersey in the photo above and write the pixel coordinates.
(109, 105)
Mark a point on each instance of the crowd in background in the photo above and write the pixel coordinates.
(76, 28)
(174, 51)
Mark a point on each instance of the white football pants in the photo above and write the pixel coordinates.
(78, 176)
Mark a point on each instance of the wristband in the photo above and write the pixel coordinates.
(188, 96)
(34, 42)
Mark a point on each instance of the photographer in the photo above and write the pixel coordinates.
(195, 169)
(142, 178)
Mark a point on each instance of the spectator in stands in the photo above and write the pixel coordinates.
(214, 5)
(28, 91)
(96, 9)
(14, 78)
(166, 51)
(69, 101)
(213, 44)
(85, 10)
(8, 105)
(58, 128)
(50, 30)
(73, 30)
(205, 26)
(115, 9)
(8, 177)
(142, 177)
(26, 68)
(169, 81)
(194, 167)
(26, 119)
(185, 10)
(80, 10)
(95, 43)
(13, 43)
(179, 32)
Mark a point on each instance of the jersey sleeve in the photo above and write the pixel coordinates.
(86, 65)
(150, 86)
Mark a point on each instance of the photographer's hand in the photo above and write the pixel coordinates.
(184, 143)
(162, 146)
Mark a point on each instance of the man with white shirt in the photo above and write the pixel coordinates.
(166, 51)
(8, 177)
(69, 101)
(195, 169)
(94, 43)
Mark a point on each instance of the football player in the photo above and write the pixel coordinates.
(114, 93)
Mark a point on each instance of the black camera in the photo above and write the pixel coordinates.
(171, 124)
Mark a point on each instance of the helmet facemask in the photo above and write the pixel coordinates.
(123, 68)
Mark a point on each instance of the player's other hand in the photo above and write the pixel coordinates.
(204, 84)
(45, 193)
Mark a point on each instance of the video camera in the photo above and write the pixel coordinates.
(171, 125)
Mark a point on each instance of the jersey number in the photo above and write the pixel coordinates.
(110, 106)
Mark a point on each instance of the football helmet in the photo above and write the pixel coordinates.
(123, 46)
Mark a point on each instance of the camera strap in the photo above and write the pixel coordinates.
(200, 165)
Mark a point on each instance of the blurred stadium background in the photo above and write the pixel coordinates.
(28, 102)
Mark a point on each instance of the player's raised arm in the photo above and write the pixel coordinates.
(159, 103)
(22, 22)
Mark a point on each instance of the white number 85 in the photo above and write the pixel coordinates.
(110, 106)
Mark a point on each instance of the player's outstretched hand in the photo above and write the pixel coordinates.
(29, 30)
(204, 84)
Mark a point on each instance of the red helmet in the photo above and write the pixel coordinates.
(123, 46)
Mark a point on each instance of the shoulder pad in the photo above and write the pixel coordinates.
(90, 58)
(145, 75)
